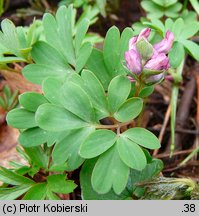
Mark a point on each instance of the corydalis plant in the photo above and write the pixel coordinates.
(148, 62)
(76, 126)
(85, 116)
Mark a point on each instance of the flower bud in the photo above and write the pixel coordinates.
(133, 61)
(144, 34)
(165, 45)
(154, 79)
(159, 62)
(147, 59)
(132, 42)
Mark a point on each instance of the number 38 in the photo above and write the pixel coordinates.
(189, 207)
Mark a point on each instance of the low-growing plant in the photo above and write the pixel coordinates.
(16, 43)
(8, 99)
(99, 5)
(87, 116)
(161, 8)
(39, 179)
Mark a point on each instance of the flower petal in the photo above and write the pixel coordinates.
(154, 79)
(133, 61)
(165, 45)
(144, 33)
(132, 42)
(158, 62)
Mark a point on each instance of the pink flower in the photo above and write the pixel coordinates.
(165, 45)
(133, 61)
(132, 42)
(142, 55)
(155, 78)
(143, 34)
(158, 62)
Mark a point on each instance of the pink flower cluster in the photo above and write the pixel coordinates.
(158, 62)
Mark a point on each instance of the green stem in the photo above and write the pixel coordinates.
(192, 154)
(174, 99)
(114, 125)
(139, 120)
(185, 5)
(138, 88)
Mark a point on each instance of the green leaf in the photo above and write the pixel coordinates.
(51, 196)
(189, 16)
(101, 5)
(13, 192)
(64, 18)
(159, 26)
(96, 65)
(54, 167)
(37, 73)
(31, 100)
(86, 188)
(131, 154)
(191, 30)
(146, 91)
(142, 137)
(129, 110)
(96, 92)
(118, 91)
(155, 11)
(51, 30)
(124, 44)
(76, 100)
(82, 28)
(21, 119)
(33, 137)
(175, 8)
(176, 55)
(174, 99)
(97, 143)
(43, 53)
(55, 137)
(178, 28)
(165, 3)
(111, 50)
(192, 48)
(83, 55)
(76, 79)
(8, 37)
(11, 177)
(67, 150)
(58, 184)
(171, 14)
(21, 37)
(195, 5)
(110, 172)
(38, 156)
(54, 118)
(52, 88)
(8, 59)
(37, 192)
(151, 170)
(155, 24)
